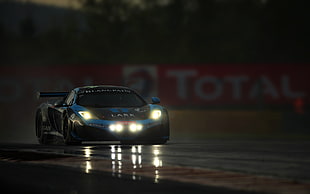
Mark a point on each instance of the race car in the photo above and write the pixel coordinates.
(101, 113)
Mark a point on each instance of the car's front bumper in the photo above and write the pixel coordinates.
(98, 130)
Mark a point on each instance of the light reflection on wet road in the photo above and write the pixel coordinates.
(274, 158)
(128, 157)
(213, 162)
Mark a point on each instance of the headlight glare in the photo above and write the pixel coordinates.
(156, 114)
(85, 114)
(139, 127)
(135, 127)
(112, 127)
(116, 127)
(119, 127)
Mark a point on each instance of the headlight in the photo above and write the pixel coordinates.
(156, 114)
(85, 114)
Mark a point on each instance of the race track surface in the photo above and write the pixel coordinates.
(211, 166)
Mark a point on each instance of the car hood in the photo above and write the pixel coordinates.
(132, 113)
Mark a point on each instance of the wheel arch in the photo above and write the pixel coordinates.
(39, 114)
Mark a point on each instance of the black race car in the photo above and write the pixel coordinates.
(101, 113)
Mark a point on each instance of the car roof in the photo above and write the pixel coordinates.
(103, 87)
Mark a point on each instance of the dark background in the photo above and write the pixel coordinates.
(155, 32)
(109, 33)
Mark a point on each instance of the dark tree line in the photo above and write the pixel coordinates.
(174, 32)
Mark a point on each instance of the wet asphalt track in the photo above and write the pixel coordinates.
(212, 166)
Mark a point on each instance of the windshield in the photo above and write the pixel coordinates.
(110, 100)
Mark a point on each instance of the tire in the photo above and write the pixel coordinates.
(41, 136)
(67, 129)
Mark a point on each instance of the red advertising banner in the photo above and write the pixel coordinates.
(176, 85)
(233, 84)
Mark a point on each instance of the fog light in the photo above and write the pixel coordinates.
(135, 127)
(116, 127)
(139, 127)
(119, 127)
(112, 127)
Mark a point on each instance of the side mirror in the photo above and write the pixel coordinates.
(155, 100)
(59, 103)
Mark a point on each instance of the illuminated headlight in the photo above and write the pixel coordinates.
(86, 115)
(135, 127)
(156, 114)
(116, 127)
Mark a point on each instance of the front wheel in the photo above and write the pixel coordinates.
(67, 133)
